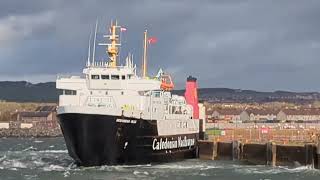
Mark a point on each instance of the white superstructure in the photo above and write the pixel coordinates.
(108, 89)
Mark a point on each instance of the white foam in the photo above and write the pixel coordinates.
(132, 166)
(37, 141)
(297, 169)
(30, 176)
(177, 166)
(38, 163)
(271, 170)
(14, 164)
(3, 158)
(54, 168)
(29, 148)
(203, 174)
(66, 174)
(138, 173)
(53, 151)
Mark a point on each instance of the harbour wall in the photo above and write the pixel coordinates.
(268, 153)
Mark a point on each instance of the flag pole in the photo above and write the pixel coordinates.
(144, 62)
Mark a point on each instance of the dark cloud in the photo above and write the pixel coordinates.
(263, 45)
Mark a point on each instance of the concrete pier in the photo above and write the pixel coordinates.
(262, 153)
(224, 151)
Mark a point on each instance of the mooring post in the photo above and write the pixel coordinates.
(241, 151)
(271, 153)
(215, 150)
(208, 150)
(235, 150)
(318, 153)
(309, 154)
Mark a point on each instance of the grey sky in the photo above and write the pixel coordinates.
(248, 44)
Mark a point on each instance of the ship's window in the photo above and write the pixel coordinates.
(123, 77)
(95, 77)
(129, 77)
(105, 77)
(106, 92)
(115, 77)
(70, 92)
(156, 94)
(176, 110)
(122, 92)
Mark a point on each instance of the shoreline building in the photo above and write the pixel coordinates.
(298, 115)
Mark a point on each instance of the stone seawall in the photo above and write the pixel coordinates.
(32, 132)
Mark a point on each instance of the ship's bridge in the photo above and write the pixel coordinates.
(101, 76)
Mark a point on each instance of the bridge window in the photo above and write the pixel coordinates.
(105, 77)
(115, 77)
(123, 77)
(95, 77)
(69, 92)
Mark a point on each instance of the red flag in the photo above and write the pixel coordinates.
(152, 40)
(123, 29)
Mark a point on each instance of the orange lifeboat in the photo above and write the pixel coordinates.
(166, 83)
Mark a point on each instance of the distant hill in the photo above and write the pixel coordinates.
(22, 91)
(238, 95)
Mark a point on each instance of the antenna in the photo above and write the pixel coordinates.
(89, 49)
(94, 42)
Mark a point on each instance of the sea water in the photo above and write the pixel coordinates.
(47, 158)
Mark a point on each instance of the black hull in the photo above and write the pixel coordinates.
(94, 140)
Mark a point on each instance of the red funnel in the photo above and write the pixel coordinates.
(191, 95)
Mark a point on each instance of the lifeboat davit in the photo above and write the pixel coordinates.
(166, 83)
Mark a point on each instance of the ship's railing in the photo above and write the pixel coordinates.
(68, 76)
(102, 64)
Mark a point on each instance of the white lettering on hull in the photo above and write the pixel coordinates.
(126, 121)
(163, 144)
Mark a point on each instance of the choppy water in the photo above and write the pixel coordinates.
(47, 158)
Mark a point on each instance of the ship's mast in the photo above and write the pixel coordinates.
(89, 50)
(144, 61)
(94, 43)
(112, 49)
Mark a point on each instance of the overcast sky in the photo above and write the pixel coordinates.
(248, 44)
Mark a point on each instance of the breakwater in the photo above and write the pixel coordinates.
(32, 132)
(268, 153)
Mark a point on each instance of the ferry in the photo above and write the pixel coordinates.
(112, 116)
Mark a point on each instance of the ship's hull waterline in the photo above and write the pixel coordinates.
(94, 140)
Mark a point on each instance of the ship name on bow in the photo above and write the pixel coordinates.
(165, 143)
